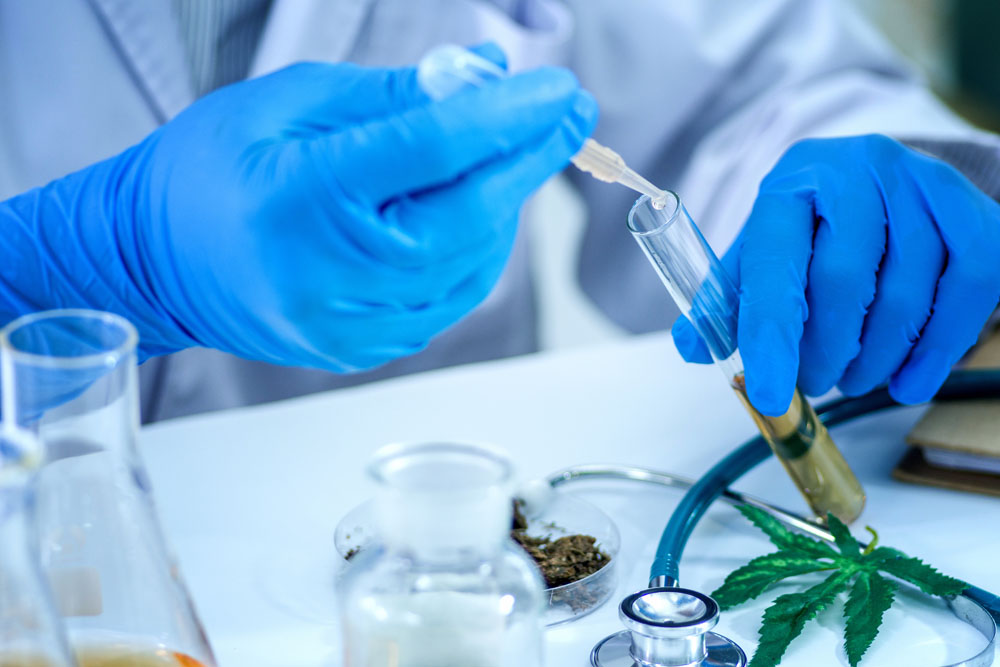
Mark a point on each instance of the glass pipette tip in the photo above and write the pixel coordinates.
(606, 165)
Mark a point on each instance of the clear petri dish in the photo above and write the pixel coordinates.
(564, 515)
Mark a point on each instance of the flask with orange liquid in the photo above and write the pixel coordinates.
(70, 378)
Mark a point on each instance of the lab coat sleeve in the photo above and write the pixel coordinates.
(704, 96)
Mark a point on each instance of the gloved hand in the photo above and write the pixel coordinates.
(326, 215)
(862, 262)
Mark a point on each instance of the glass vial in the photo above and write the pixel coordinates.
(31, 633)
(70, 377)
(704, 292)
(446, 587)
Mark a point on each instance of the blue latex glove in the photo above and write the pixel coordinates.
(862, 262)
(326, 215)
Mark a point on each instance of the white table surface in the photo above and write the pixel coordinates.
(249, 498)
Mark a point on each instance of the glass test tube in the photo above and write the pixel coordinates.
(704, 292)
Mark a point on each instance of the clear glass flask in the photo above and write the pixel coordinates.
(31, 632)
(70, 377)
(705, 293)
(446, 587)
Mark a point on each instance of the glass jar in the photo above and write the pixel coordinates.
(446, 586)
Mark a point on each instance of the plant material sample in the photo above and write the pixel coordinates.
(562, 560)
(868, 598)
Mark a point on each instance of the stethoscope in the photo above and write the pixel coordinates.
(667, 625)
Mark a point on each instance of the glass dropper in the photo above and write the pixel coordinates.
(447, 69)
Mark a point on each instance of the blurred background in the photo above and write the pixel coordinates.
(954, 43)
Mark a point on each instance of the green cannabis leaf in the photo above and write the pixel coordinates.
(868, 599)
(785, 619)
(871, 596)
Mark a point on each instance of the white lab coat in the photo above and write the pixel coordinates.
(700, 95)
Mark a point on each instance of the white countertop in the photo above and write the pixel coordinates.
(249, 498)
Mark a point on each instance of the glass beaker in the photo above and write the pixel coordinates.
(70, 376)
(31, 633)
(446, 587)
(704, 292)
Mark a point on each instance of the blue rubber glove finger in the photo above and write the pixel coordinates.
(913, 262)
(963, 303)
(484, 199)
(492, 52)
(968, 291)
(688, 341)
(488, 200)
(847, 248)
(383, 334)
(434, 144)
(777, 246)
(326, 97)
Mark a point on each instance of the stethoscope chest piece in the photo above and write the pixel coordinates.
(668, 627)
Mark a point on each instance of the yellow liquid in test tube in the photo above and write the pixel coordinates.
(805, 449)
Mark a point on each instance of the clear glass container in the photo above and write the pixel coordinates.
(564, 514)
(704, 292)
(70, 377)
(446, 586)
(31, 633)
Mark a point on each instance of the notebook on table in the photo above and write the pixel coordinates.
(957, 445)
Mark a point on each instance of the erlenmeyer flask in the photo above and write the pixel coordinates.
(31, 633)
(70, 376)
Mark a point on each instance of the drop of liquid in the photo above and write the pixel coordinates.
(659, 203)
